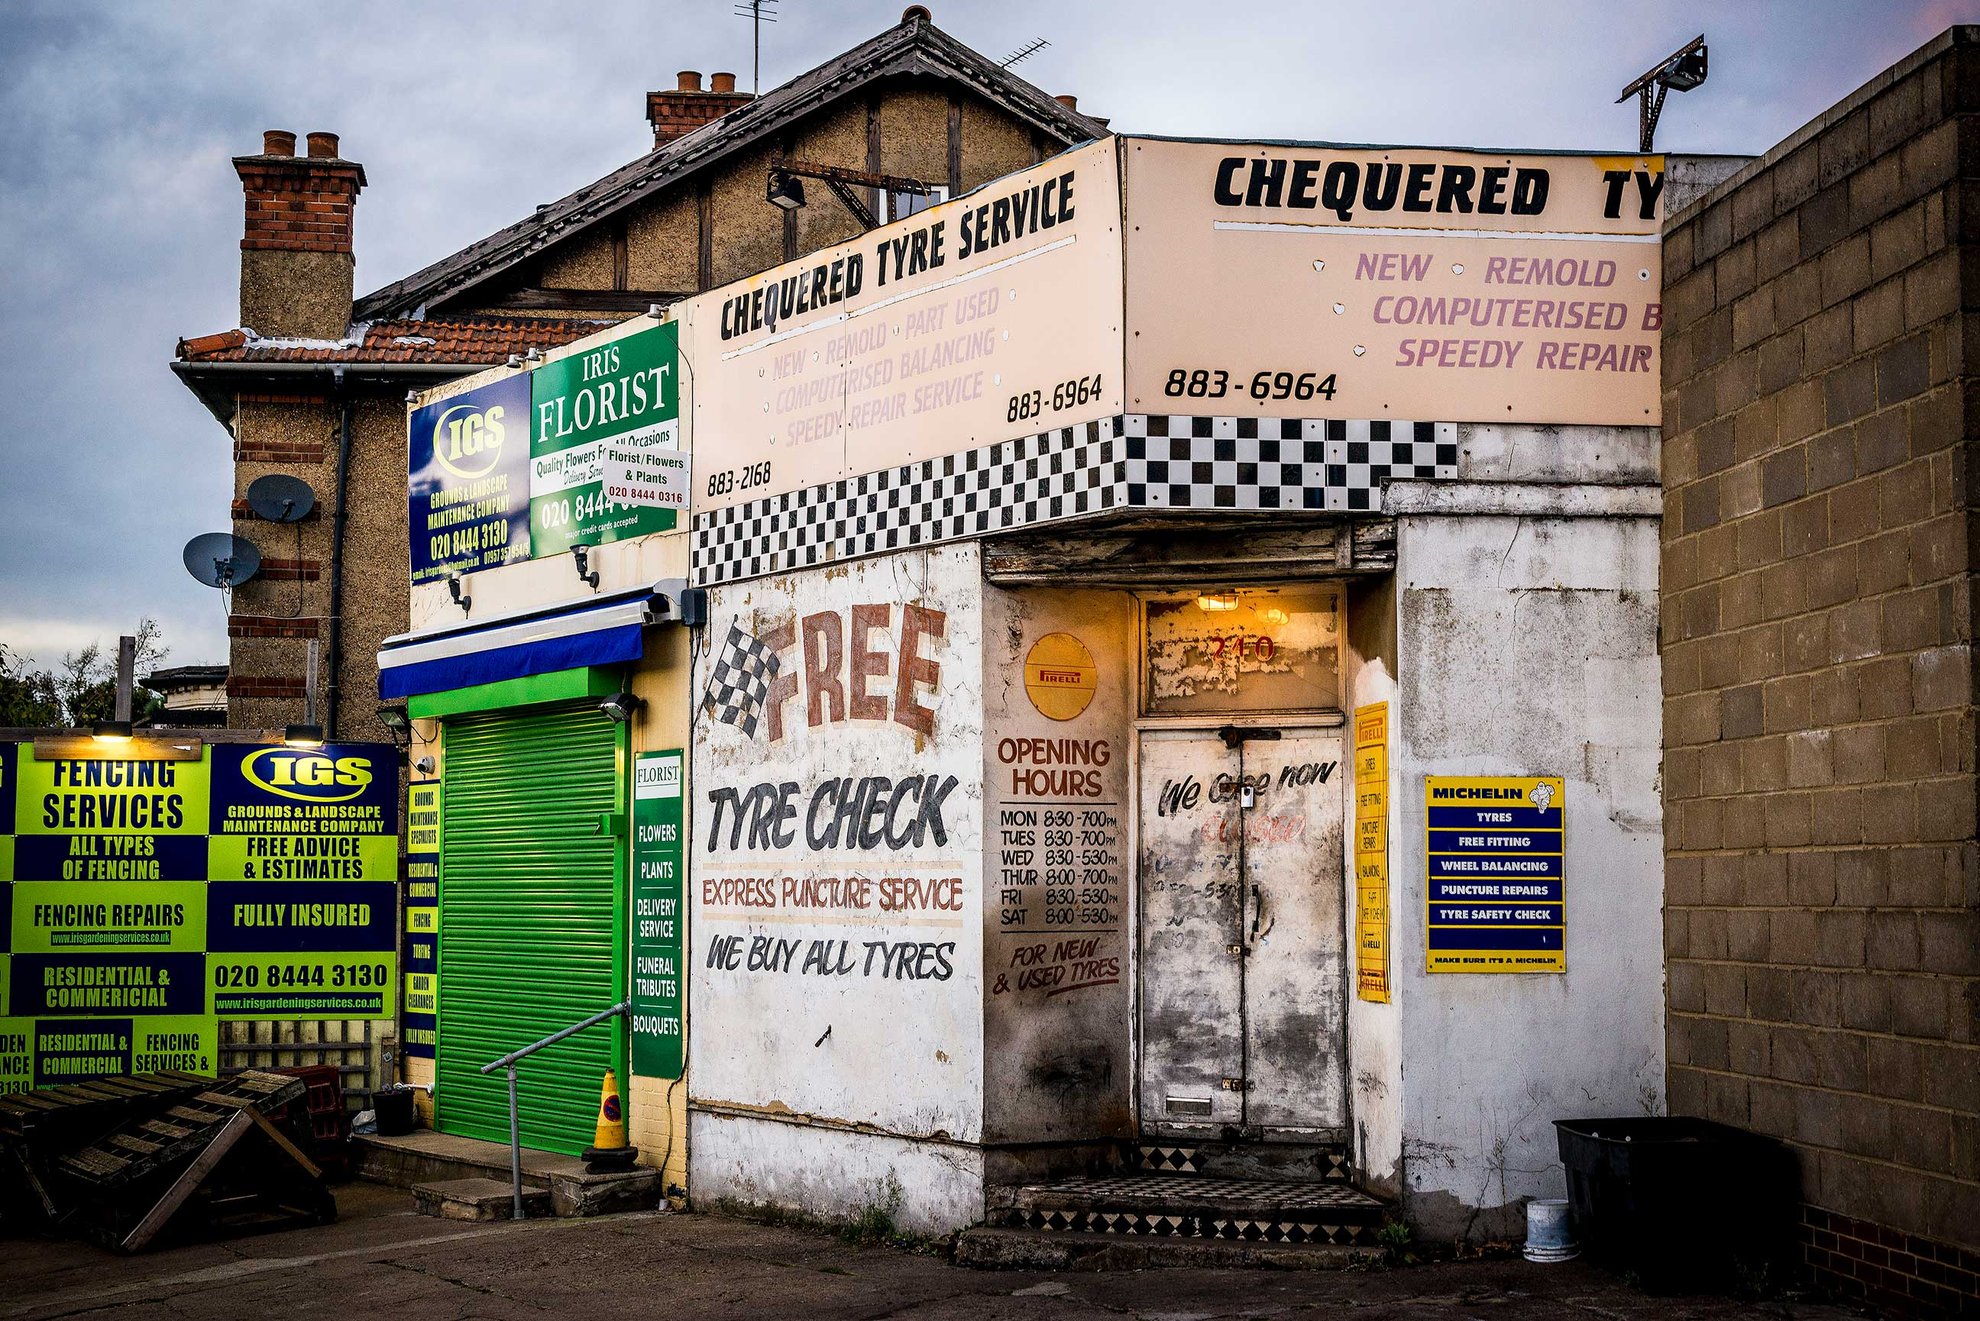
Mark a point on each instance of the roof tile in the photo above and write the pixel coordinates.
(455, 340)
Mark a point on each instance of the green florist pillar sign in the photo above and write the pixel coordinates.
(658, 892)
(613, 408)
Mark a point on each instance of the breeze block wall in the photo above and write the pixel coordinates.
(1821, 929)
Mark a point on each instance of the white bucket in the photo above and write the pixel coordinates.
(1549, 1231)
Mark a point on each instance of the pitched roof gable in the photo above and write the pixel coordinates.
(915, 46)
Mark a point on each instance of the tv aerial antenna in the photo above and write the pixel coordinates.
(1024, 52)
(758, 12)
(281, 498)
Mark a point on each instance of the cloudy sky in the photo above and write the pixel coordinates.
(119, 212)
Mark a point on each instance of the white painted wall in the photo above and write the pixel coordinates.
(892, 1050)
(1526, 618)
(1374, 1030)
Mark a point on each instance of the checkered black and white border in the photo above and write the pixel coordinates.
(1137, 460)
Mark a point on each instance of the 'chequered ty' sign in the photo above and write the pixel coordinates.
(741, 682)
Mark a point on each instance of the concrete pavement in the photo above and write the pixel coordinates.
(381, 1260)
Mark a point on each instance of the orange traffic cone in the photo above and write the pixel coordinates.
(609, 1150)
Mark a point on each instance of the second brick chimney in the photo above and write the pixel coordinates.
(296, 262)
(690, 105)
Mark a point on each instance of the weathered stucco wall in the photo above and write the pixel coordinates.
(1057, 794)
(1374, 1029)
(836, 873)
(1526, 620)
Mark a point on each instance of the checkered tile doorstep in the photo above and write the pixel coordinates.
(1198, 1206)
(1130, 461)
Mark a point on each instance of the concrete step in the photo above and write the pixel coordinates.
(987, 1248)
(477, 1199)
(424, 1158)
(1184, 1206)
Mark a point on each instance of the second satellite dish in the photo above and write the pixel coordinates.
(280, 498)
(221, 559)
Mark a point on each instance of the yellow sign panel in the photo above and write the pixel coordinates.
(1494, 873)
(1060, 677)
(1371, 852)
(1427, 285)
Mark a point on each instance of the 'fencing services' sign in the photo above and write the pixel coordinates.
(1494, 876)
(145, 900)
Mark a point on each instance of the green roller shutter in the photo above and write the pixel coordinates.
(530, 938)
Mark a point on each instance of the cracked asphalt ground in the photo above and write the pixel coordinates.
(381, 1260)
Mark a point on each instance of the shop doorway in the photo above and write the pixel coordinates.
(531, 924)
(1242, 934)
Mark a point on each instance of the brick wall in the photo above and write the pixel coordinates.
(1822, 876)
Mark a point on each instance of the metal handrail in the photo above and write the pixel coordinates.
(509, 1062)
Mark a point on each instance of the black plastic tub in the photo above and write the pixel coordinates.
(1682, 1204)
(395, 1111)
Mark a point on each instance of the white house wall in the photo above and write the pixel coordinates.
(836, 983)
(1528, 646)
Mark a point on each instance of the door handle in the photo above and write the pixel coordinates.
(1257, 918)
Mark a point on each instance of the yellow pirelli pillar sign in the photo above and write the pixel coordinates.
(1371, 852)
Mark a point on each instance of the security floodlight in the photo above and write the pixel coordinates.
(1683, 70)
(303, 736)
(621, 706)
(786, 190)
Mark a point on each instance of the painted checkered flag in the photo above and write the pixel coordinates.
(741, 682)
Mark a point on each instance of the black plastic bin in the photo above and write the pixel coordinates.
(395, 1110)
(1683, 1204)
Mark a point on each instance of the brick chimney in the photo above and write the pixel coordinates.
(689, 105)
(296, 263)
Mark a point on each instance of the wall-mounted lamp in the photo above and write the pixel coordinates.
(397, 723)
(586, 574)
(111, 731)
(303, 736)
(456, 588)
(1216, 602)
(621, 706)
(786, 190)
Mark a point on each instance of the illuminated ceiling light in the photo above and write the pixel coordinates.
(1217, 602)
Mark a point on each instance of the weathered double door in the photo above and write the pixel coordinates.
(1243, 942)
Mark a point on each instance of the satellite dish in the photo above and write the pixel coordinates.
(221, 559)
(280, 498)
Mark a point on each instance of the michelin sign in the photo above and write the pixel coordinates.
(146, 900)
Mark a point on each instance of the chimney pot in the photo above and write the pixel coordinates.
(1069, 101)
(687, 80)
(722, 82)
(278, 142)
(323, 144)
(916, 14)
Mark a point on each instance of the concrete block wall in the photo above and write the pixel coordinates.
(1822, 876)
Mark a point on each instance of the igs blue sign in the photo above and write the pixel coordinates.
(467, 492)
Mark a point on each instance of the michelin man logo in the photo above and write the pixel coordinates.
(1541, 795)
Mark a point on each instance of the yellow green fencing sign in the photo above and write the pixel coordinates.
(146, 900)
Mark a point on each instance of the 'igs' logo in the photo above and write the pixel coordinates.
(312, 777)
(468, 442)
